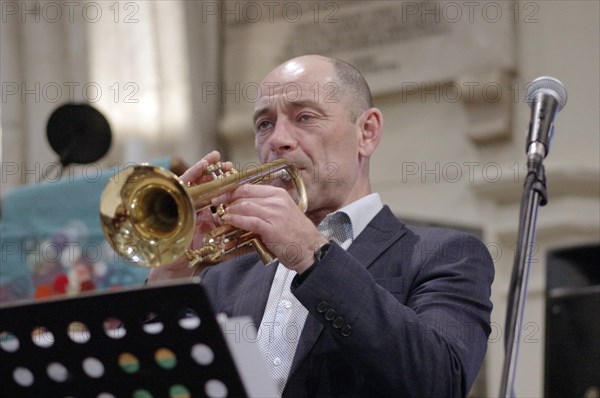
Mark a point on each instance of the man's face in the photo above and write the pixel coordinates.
(302, 116)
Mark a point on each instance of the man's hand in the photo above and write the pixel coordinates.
(204, 220)
(271, 213)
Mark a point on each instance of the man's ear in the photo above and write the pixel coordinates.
(370, 128)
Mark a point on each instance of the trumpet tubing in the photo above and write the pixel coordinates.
(148, 215)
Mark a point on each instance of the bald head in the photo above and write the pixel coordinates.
(350, 85)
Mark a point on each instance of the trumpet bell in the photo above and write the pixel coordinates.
(147, 215)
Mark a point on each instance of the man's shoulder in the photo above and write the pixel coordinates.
(429, 238)
(433, 244)
(438, 232)
(386, 217)
(422, 231)
(441, 233)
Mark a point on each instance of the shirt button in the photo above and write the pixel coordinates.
(287, 304)
(277, 361)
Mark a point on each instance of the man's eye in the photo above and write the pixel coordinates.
(305, 117)
(265, 124)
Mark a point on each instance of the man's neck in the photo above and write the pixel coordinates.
(317, 215)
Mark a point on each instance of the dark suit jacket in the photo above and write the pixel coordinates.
(405, 312)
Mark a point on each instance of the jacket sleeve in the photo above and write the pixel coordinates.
(422, 334)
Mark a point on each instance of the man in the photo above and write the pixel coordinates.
(377, 309)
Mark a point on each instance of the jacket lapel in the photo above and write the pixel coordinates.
(377, 237)
(382, 232)
(255, 292)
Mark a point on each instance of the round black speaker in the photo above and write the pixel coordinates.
(78, 133)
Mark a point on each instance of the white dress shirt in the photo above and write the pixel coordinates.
(284, 316)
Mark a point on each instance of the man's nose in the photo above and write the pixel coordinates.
(282, 139)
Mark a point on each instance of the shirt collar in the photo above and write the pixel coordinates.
(362, 211)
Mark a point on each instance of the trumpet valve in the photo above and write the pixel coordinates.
(215, 170)
(221, 210)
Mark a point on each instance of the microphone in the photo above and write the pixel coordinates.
(546, 96)
(78, 133)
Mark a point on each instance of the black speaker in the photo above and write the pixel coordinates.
(572, 350)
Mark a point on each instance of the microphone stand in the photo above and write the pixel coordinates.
(534, 195)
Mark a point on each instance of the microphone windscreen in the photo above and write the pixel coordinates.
(549, 85)
(78, 133)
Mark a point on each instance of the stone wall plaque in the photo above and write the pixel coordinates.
(398, 45)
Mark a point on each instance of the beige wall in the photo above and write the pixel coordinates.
(439, 159)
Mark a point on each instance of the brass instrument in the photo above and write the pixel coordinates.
(149, 215)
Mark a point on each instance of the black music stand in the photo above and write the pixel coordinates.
(160, 341)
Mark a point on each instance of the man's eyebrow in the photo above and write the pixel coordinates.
(259, 112)
(294, 104)
(305, 104)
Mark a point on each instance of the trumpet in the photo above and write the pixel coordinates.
(148, 214)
